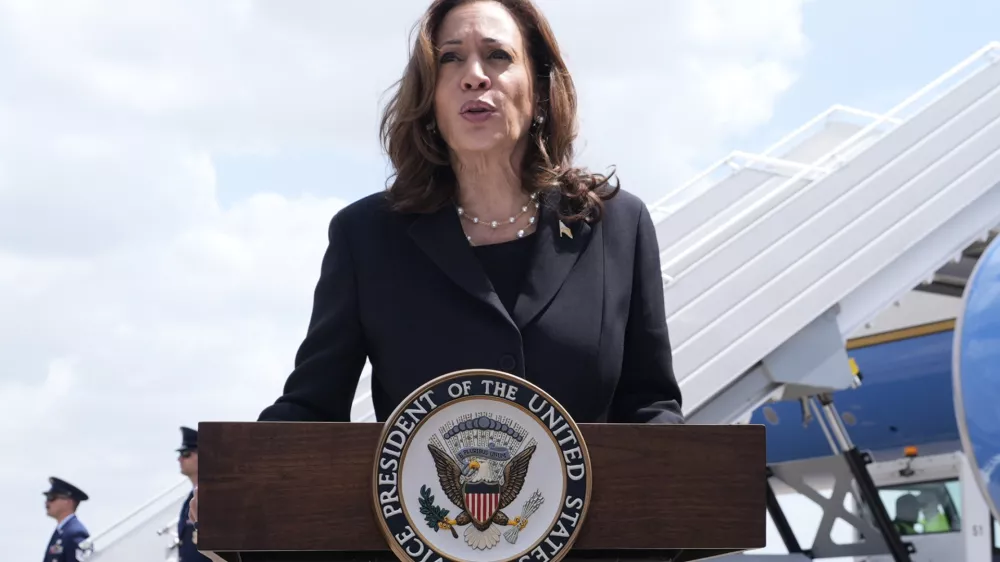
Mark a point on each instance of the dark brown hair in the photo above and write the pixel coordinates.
(423, 180)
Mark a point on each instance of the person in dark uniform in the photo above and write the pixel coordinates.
(187, 548)
(68, 542)
(491, 248)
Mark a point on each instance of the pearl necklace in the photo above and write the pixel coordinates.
(493, 224)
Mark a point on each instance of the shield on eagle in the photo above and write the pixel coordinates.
(482, 500)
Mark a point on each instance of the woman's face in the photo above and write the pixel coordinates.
(483, 96)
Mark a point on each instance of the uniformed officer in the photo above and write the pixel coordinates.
(187, 534)
(61, 501)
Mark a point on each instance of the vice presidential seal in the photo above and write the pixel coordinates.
(481, 466)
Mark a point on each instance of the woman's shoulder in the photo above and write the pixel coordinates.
(621, 206)
(623, 214)
(371, 213)
(372, 207)
(625, 205)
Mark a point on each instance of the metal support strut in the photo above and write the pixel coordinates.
(868, 492)
(779, 519)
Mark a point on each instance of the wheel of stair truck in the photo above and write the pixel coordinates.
(976, 374)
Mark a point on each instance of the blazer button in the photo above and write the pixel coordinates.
(507, 363)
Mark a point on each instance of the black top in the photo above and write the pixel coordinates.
(408, 293)
(505, 264)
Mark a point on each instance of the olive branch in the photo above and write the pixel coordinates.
(435, 515)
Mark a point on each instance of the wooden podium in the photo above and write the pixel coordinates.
(297, 492)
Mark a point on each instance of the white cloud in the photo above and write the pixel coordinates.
(106, 363)
(663, 87)
(135, 299)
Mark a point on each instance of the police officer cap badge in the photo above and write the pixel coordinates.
(480, 466)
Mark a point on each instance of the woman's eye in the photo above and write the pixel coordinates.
(503, 55)
(447, 57)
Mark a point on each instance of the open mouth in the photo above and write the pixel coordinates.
(477, 107)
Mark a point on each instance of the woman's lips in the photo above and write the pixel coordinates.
(478, 116)
(477, 111)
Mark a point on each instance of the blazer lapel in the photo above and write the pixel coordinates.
(557, 248)
(440, 236)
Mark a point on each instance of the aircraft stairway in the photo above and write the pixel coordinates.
(768, 270)
(148, 533)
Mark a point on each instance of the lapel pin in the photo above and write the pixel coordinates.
(565, 231)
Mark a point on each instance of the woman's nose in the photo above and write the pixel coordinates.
(475, 78)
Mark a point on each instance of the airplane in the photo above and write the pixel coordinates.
(905, 399)
(926, 414)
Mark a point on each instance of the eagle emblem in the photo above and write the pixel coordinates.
(484, 480)
(508, 465)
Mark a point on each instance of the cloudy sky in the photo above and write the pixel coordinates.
(168, 170)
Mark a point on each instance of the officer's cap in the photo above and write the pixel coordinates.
(59, 487)
(189, 439)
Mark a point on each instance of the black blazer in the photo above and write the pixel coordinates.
(407, 292)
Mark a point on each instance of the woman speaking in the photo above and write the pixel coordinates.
(489, 249)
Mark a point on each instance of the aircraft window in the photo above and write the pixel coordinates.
(924, 508)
